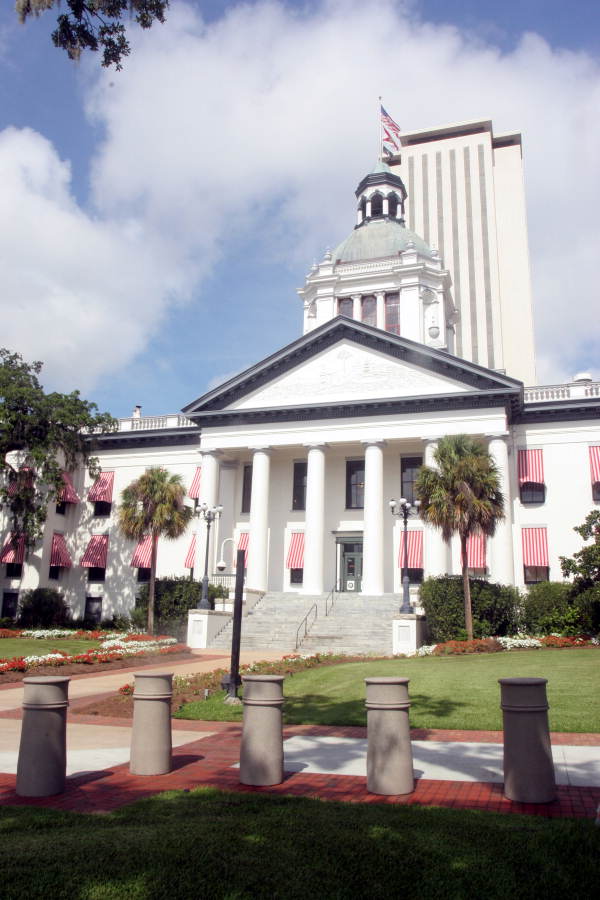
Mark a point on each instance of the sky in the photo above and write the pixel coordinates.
(155, 223)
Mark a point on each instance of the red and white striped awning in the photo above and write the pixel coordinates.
(96, 552)
(142, 555)
(194, 491)
(68, 493)
(243, 543)
(13, 550)
(595, 464)
(535, 547)
(190, 559)
(476, 546)
(531, 466)
(295, 557)
(59, 555)
(415, 549)
(102, 489)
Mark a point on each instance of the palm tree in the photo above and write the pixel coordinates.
(462, 496)
(153, 505)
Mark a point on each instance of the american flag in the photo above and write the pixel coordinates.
(390, 132)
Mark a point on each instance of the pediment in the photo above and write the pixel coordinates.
(346, 373)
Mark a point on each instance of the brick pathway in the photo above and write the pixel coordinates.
(208, 761)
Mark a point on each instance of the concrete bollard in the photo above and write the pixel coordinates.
(528, 766)
(261, 754)
(42, 764)
(389, 750)
(151, 735)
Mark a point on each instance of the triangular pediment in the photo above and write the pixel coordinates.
(345, 362)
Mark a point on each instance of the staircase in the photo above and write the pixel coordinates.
(356, 624)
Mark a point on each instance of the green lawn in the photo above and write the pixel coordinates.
(10, 647)
(446, 692)
(208, 844)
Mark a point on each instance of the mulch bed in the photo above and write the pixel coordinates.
(128, 662)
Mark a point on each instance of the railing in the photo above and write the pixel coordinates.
(226, 581)
(329, 601)
(150, 423)
(574, 390)
(305, 623)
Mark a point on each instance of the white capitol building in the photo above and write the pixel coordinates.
(417, 325)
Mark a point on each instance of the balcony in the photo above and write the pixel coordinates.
(574, 390)
(151, 423)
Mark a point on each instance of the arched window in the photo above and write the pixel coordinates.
(393, 206)
(392, 313)
(345, 307)
(376, 205)
(368, 306)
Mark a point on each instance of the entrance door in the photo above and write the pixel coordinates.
(351, 571)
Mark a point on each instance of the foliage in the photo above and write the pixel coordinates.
(546, 607)
(584, 565)
(173, 597)
(40, 436)
(587, 607)
(43, 607)
(495, 607)
(154, 505)
(461, 496)
(96, 24)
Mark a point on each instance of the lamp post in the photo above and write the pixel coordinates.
(209, 514)
(404, 509)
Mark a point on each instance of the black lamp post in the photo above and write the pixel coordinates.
(209, 514)
(404, 509)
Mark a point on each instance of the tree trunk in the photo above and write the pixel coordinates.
(466, 586)
(151, 586)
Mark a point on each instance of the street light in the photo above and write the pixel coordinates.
(404, 509)
(209, 514)
(222, 565)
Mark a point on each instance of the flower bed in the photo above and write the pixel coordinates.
(114, 648)
(44, 634)
(493, 645)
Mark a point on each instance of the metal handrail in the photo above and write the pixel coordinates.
(305, 623)
(328, 605)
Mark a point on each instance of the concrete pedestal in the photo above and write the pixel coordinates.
(151, 734)
(528, 766)
(389, 750)
(261, 754)
(42, 764)
(204, 625)
(408, 633)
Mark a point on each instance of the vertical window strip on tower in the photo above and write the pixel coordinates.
(425, 189)
(455, 251)
(489, 322)
(471, 256)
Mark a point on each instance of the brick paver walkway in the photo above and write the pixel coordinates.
(209, 761)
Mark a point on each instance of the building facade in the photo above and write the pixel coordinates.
(402, 344)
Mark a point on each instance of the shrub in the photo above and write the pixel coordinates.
(173, 598)
(587, 608)
(546, 608)
(43, 607)
(494, 605)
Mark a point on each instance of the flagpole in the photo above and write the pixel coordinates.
(380, 151)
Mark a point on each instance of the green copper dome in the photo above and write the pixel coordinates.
(378, 238)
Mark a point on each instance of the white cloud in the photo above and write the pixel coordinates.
(267, 119)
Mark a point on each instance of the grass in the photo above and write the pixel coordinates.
(446, 692)
(213, 844)
(10, 647)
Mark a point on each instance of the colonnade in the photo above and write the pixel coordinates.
(375, 509)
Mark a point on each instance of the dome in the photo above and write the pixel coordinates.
(378, 238)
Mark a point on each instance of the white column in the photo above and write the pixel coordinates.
(368, 209)
(501, 563)
(380, 297)
(372, 579)
(258, 550)
(436, 550)
(356, 309)
(386, 206)
(209, 494)
(314, 531)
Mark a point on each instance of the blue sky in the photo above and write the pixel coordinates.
(156, 222)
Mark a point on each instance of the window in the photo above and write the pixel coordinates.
(96, 573)
(93, 609)
(61, 507)
(10, 602)
(102, 508)
(143, 575)
(296, 576)
(478, 573)
(14, 570)
(346, 307)
(299, 486)
(409, 470)
(532, 492)
(247, 488)
(376, 205)
(54, 572)
(368, 308)
(415, 576)
(355, 483)
(596, 491)
(535, 574)
(392, 313)
(393, 206)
